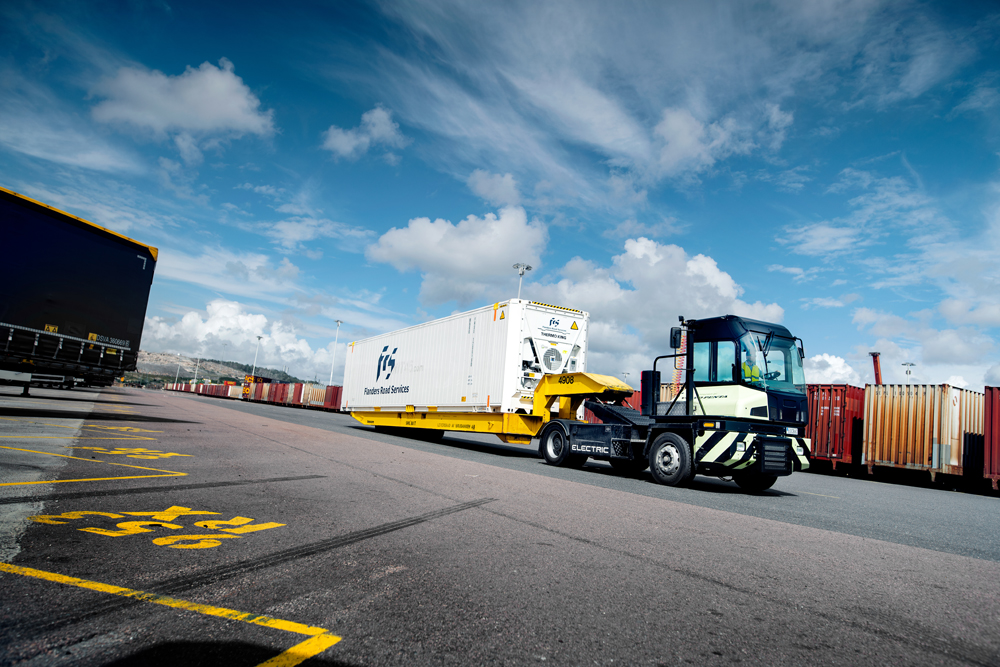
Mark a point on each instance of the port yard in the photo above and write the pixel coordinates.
(176, 529)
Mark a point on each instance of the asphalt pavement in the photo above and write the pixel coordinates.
(141, 527)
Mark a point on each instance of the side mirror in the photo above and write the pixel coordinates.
(675, 337)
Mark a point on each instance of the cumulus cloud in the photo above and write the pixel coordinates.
(253, 275)
(227, 329)
(205, 101)
(377, 128)
(965, 345)
(636, 299)
(494, 188)
(830, 369)
(463, 262)
(691, 146)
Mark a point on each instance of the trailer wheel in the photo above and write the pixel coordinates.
(755, 482)
(670, 460)
(555, 445)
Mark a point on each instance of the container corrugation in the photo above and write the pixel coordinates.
(991, 434)
(332, 398)
(835, 415)
(297, 394)
(484, 360)
(920, 427)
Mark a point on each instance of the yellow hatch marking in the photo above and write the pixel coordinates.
(320, 638)
(163, 473)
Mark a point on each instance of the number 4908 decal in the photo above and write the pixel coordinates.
(566, 379)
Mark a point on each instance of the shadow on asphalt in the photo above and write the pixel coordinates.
(210, 653)
(42, 413)
(455, 442)
(77, 399)
(701, 483)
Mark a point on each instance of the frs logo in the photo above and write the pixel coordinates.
(553, 322)
(386, 363)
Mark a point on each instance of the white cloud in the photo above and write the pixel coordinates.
(690, 146)
(992, 377)
(830, 369)
(251, 275)
(634, 301)
(796, 272)
(293, 233)
(632, 228)
(36, 123)
(205, 101)
(377, 128)
(465, 262)
(821, 239)
(964, 346)
(228, 330)
(494, 188)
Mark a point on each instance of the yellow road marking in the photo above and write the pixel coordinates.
(166, 473)
(68, 437)
(320, 638)
(820, 494)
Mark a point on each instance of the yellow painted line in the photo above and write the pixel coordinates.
(820, 494)
(166, 473)
(320, 638)
(68, 437)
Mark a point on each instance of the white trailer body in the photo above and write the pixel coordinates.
(485, 360)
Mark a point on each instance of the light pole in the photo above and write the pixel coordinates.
(626, 376)
(908, 365)
(178, 373)
(253, 373)
(337, 338)
(196, 367)
(521, 268)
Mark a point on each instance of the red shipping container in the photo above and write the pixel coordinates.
(297, 394)
(836, 412)
(258, 390)
(333, 395)
(991, 431)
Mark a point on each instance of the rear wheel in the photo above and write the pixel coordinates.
(670, 460)
(555, 447)
(754, 482)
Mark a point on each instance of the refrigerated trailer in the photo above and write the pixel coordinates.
(72, 296)
(735, 407)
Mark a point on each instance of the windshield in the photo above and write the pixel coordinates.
(771, 363)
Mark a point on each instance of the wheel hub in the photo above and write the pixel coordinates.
(668, 460)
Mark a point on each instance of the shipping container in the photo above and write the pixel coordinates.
(487, 360)
(836, 417)
(72, 294)
(332, 398)
(991, 435)
(920, 427)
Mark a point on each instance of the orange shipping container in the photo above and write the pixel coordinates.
(921, 427)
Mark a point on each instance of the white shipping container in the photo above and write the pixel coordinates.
(484, 360)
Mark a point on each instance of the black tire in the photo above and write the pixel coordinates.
(754, 482)
(554, 445)
(629, 467)
(670, 460)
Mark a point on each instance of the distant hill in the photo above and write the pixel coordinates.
(183, 368)
(245, 369)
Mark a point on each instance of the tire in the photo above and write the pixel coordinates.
(754, 482)
(629, 467)
(670, 460)
(554, 445)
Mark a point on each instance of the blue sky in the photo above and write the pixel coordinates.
(831, 165)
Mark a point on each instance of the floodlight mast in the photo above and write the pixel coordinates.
(253, 373)
(521, 268)
(337, 338)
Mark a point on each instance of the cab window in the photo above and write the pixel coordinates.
(714, 361)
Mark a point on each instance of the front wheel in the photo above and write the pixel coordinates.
(670, 460)
(755, 482)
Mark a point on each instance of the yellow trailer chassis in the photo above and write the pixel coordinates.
(556, 397)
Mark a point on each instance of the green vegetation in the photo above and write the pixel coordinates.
(277, 376)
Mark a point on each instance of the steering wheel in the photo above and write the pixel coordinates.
(773, 375)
